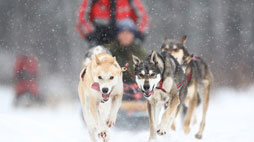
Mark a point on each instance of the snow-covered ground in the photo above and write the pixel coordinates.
(230, 119)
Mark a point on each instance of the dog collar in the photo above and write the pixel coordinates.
(161, 88)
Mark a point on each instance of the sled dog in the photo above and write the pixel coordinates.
(100, 92)
(163, 83)
(199, 80)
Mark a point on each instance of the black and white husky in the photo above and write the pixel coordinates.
(162, 80)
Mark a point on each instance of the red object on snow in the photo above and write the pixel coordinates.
(26, 72)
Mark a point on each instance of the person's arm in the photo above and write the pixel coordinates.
(143, 23)
(140, 52)
(85, 26)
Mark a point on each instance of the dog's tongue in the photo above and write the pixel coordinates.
(105, 96)
(149, 92)
(96, 86)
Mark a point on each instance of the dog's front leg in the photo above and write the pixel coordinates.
(191, 109)
(90, 122)
(116, 103)
(151, 113)
(96, 118)
(168, 115)
(205, 102)
(91, 125)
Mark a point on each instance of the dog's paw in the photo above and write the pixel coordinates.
(102, 134)
(186, 129)
(173, 127)
(161, 132)
(105, 139)
(198, 136)
(110, 123)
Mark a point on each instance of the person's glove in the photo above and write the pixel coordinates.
(139, 39)
(92, 39)
(140, 36)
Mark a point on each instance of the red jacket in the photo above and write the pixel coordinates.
(97, 12)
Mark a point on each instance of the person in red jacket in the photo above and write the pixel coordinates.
(98, 19)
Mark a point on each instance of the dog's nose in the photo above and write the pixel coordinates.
(146, 87)
(105, 90)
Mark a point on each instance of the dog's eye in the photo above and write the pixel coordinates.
(111, 77)
(141, 75)
(99, 77)
(152, 75)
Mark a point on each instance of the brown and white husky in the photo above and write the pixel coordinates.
(100, 92)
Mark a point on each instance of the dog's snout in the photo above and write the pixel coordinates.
(105, 90)
(146, 87)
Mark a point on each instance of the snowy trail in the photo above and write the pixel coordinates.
(229, 119)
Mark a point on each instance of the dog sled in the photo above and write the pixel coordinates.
(25, 78)
(134, 106)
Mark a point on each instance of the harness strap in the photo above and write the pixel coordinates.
(126, 65)
(179, 85)
(160, 86)
(189, 77)
(190, 74)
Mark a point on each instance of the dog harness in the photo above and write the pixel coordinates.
(160, 86)
(189, 77)
(190, 74)
(179, 85)
(127, 65)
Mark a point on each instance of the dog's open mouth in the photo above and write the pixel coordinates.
(148, 93)
(96, 87)
(105, 97)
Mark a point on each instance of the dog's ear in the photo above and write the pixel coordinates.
(114, 60)
(183, 40)
(165, 39)
(154, 57)
(136, 60)
(82, 73)
(188, 59)
(97, 60)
